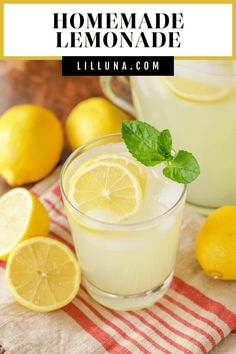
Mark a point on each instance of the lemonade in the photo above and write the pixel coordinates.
(198, 105)
(127, 255)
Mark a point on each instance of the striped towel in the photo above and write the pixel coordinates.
(195, 314)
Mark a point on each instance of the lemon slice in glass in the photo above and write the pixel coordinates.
(42, 274)
(196, 91)
(106, 190)
(22, 216)
(133, 165)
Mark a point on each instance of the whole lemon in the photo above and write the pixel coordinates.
(91, 119)
(31, 141)
(216, 244)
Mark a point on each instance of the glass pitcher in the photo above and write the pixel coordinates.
(198, 106)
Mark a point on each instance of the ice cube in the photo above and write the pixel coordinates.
(169, 194)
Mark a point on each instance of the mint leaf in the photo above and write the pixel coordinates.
(165, 143)
(151, 147)
(142, 141)
(182, 168)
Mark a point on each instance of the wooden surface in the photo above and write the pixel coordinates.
(41, 82)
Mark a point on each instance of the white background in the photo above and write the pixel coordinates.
(28, 29)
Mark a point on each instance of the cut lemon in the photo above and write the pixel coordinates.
(106, 190)
(195, 90)
(22, 216)
(43, 274)
(133, 165)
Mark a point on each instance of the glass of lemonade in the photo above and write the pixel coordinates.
(198, 106)
(125, 221)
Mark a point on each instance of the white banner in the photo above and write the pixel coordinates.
(117, 30)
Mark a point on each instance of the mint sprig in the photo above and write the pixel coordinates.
(151, 147)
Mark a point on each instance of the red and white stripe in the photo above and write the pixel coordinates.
(109, 343)
(184, 322)
(123, 337)
(196, 315)
(126, 324)
(212, 309)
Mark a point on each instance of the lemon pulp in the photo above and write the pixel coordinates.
(133, 165)
(43, 274)
(106, 190)
(22, 216)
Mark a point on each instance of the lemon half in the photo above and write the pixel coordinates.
(22, 216)
(43, 274)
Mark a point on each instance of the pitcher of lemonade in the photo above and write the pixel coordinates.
(198, 106)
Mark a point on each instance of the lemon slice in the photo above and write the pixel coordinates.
(106, 190)
(133, 165)
(42, 274)
(195, 90)
(22, 216)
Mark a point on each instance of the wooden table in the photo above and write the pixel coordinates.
(41, 82)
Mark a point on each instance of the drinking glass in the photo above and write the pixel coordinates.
(126, 266)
